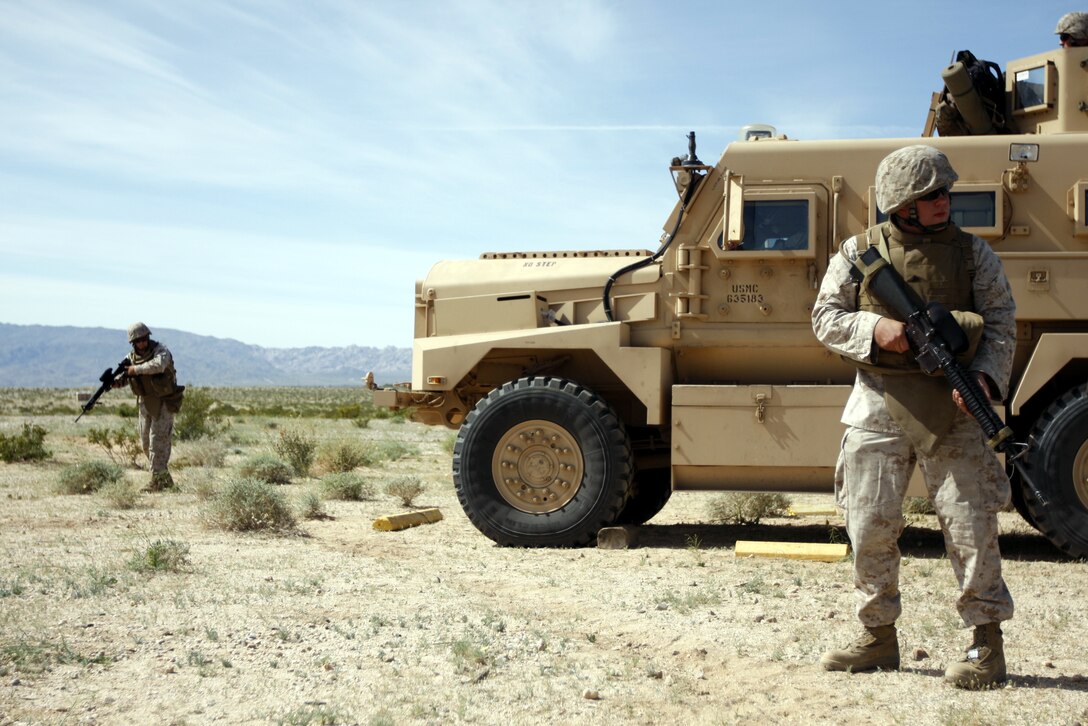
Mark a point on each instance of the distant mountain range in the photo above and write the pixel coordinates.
(46, 356)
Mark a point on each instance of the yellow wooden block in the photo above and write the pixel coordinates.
(410, 519)
(792, 550)
(813, 510)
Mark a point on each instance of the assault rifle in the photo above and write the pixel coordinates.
(108, 378)
(936, 339)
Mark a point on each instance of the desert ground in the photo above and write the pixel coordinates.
(335, 622)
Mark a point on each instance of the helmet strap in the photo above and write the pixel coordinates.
(914, 221)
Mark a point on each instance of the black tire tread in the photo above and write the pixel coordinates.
(614, 433)
(1051, 520)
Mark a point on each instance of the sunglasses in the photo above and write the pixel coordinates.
(935, 194)
(1065, 37)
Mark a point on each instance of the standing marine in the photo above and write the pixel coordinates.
(897, 417)
(152, 377)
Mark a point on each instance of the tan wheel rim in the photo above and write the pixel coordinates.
(537, 467)
(1080, 474)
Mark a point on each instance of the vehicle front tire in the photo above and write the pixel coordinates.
(542, 462)
(1058, 464)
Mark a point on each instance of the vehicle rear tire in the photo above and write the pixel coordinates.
(1019, 501)
(542, 462)
(1058, 464)
(650, 492)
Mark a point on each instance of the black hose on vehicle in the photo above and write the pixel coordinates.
(607, 297)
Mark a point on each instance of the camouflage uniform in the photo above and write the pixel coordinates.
(1075, 25)
(154, 381)
(963, 477)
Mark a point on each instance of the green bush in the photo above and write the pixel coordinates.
(310, 506)
(296, 449)
(121, 494)
(918, 505)
(200, 416)
(405, 488)
(89, 476)
(342, 455)
(203, 486)
(392, 450)
(205, 453)
(346, 485)
(356, 411)
(26, 446)
(162, 555)
(267, 468)
(122, 445)
(249, 505)
(747, 507)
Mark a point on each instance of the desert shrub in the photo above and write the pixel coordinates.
(122, 445)
(199, 416)
(88, 476)
(206, 453)
(342, 455)
(26, 446)
(310, 506)
(203, 486)
(448, 443)
(405, 488)
(162, 555)
(266, 467)
(346, 485)
(355, 411)
(121, 494)
(127, 410)
(918, 505)
(297, 449)
(392, 450)
(747, 507)
(249, 505)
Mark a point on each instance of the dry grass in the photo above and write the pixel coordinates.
(434, 624)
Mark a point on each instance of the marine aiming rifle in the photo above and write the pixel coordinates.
(935, 340)
(108, 378)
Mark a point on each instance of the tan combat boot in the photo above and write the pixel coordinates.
(878, 648)
(160, 481)
(984, 664)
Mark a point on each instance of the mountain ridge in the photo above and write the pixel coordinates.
(64, 356)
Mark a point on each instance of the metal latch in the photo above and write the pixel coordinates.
(761, 407)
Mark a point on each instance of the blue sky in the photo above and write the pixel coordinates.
(281, 172)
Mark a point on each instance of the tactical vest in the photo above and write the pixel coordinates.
(940, 268)
(156, 388)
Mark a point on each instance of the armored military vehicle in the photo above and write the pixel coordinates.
(588, 385)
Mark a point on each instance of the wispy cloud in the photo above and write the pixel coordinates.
(277, 156)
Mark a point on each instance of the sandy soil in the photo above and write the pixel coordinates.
(435, 624)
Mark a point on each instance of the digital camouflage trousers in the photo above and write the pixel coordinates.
(156, 434)
(968, 487)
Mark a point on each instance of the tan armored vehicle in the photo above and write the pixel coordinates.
(589, 385)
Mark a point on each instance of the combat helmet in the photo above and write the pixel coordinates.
(137, 331)
(1075, 25)
(909, 173)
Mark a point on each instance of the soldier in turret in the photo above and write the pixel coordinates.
(153, 379)
(897, 416)
(1072, 30)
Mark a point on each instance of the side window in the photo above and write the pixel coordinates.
(775, 225)
(1030, 88)
(973, 209)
